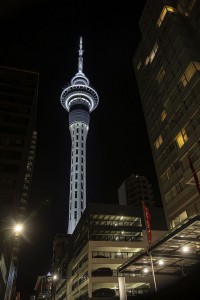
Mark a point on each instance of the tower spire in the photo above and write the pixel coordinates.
(80, 59)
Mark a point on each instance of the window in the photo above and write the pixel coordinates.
(75, 204)
(152, 54)
(174, 192)
(179, 219)
(158, 142)
(163, 115)
(163, 14)
(169, 173)
(189, 72)
(160, 75)
(181, 138)
(139, 65)
(75, 215)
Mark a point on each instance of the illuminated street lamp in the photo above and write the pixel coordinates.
(55, 277)
(145, 270)
(161, 262)
(18, 229)
(185, 249)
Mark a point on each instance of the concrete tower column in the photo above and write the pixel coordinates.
(79, 99)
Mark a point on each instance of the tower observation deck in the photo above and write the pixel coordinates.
(79, 99)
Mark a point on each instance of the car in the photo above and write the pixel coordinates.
(102, 272)
(103, 292)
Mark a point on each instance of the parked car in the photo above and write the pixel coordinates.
(102, 272)
(104, 292)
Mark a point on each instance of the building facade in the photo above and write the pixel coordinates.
(79, 99)
(105, 237)
(18, 99)
(167, 65)
(135, 190)
(42, 288)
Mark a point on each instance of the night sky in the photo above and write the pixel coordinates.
(44, 37)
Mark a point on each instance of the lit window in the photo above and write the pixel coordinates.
(151, 56)
(179, 219)
(181, 138)
(163, 14)
(147, 61)
(153, 53)
(189, 72)
(163, 115)
(159, 141)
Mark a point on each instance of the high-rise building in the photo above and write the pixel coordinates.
(79, 99)
(42, 288)
(135, 190)
(59, 265)
(167, 69)
(18, 98)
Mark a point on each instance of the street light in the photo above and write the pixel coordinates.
(18, 228)
(161, 262)
(55, 277)
(11, 251)
(185, 248)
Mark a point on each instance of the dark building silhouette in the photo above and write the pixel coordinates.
(18, 101)
(42, 288)
(135, 190)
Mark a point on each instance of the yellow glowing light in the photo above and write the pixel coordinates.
(18, 228)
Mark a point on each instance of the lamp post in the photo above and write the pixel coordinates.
(55, 279)
(16, 231)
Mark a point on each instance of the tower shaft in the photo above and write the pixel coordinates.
(77, 197)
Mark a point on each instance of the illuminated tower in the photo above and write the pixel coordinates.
(79, 99)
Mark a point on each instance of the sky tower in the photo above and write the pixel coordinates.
(79, 99)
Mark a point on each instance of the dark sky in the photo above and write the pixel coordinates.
(44, 37)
